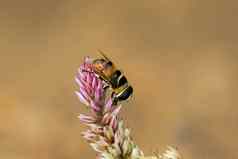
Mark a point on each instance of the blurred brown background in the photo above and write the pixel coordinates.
(180, 56)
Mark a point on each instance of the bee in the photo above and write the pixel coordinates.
(116, 80)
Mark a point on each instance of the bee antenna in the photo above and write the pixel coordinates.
(103, 54)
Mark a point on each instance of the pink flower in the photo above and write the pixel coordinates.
(106, 134)
(92, 93)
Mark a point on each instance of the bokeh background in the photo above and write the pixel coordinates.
(181, 56)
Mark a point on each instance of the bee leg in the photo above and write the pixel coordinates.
(106, 87)
(114, 99)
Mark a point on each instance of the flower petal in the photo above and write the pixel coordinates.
(113, 123)
(78, 82)
(82, 98)
(94, 106)
(116, 110)
(85, 93)
(106, 118)
(95, 82)
(86, 118)
(97, 148)
(108, 105)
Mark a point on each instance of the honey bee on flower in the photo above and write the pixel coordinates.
(106, 70)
